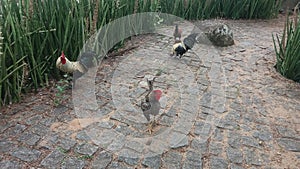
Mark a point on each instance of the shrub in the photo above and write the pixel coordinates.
(288, 50)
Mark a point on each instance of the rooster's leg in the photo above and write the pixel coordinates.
(151, 125)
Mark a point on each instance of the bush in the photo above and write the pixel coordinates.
(288, 50)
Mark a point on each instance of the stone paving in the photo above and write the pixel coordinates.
(221, 108)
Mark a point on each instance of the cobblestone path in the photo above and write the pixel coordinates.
(221, 108)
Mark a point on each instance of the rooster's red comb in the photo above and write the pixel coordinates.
(157, 94)
(63, 58)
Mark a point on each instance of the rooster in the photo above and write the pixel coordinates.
(87, 60)
(177, 34)
(151, 104)
(181, 47)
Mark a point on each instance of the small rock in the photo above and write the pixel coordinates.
(221, 35)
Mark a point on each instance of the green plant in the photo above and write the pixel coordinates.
(288, 49)
(62, 150)
(61, 87)
(85, 157)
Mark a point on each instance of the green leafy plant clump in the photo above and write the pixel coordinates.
(288, 49)
(36, 31)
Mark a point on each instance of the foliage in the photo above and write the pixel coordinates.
(37, 31)
(288, 49)
(61, 87)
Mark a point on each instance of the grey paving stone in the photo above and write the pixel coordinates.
(193, 160)
(215, 148)
(118, 165)
(72, 163)
(59, 110)
(205, 101)
(40, 108)
(262, 120)
(202, 128)
(234, 139)
(226, 123)
(218, 163)
(82, 135)
(134, 145)
(117, 143)
(29, 138)
(15, 130)
(237, 106)
(235, 166)
(66, 143)
(167, 121)
(26, 154)
(172, 160)
(218, 134)
(200, 146)
(264, 135)
(6, 146)
(129, 156)
(234, 155)
(250, 141)
(4, 126)
(253, 157)
(245, 127)
(48, 121)
(86, 149)
(102, 160)
(124, 129)
(106, 124)
(178, 140)
(39, 129)
(10, 165)
(287, 132)
(34, 119)
(53, 160)
(152, 161)
(289, 144)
